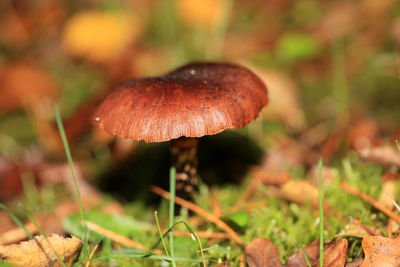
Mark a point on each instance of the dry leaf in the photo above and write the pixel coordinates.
(284, 154)
(301, 192)
(353, 230)
(98, 36)
(13, 32)
(10, 179)
(262, 252)
(284, 99)
(363, 134)
(41, 252)
(201, 13)
(381, 251)
(385, 155)
(334, 254)
(269, 177)
(297, 259)
(23, 84)
(388, 193)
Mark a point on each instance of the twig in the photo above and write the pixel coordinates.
(242, 260)
(201, 250)
(214, 235)
(248, 207)
(215, 203)
(363, 226)
(212, 218)
(351, 190)
(270, 178)
(91, 255)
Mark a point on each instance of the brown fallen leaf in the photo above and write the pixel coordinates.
(312, 251)
(262, 252)
(301, 192)
(42, 252)
(285, 102)
(334, 254)
(269, 177)
(381, 251)
(297, 259)
(10, 181)
(385, 155)
(363, 134)
(25, 83)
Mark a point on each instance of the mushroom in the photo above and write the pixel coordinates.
(192, 101)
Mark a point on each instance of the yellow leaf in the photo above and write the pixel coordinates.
(201, 13)
(99, 36)
(41, 252)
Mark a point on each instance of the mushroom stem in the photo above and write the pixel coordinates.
(184, 158)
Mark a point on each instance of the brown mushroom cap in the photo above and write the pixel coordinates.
(195, 100)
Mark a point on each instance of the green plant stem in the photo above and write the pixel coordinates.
(172, 174)
(71, 165)
(321, 215)
(340, 85)
(305, 256)
(69, 158)
(161, 235)
(16, 220)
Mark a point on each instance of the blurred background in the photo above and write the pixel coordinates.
(331, 67)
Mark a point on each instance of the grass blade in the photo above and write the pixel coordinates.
(71, 165)
(172, 174)
(16, 220)
(146, 256)
(305, 256)
(321, 215)
(161, 235)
